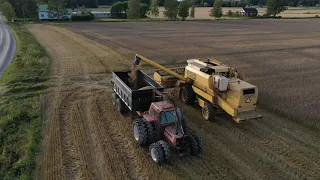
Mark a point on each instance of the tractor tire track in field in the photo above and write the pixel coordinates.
(52, 142)
(74, 75)
(95, 141)
(86, 138)
(270, 149)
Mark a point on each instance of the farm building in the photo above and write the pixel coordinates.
(101, 14)
(250, 12)
(44, 13)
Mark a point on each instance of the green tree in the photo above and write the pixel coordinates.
(144, 8)
(7, 10)
(243, 3)
(57, 8)
(118, 8)
(171, 9)
(230, 13)
(216, 11)
(155, 8)
(24, 8)
(236, 14)
(133, 11)
(192, 11)
(184, 9)
(275, 7)
(28, 8)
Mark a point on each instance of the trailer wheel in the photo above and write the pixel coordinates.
(187, 95)
(156, 153)
(193, 145)
(121, 107)
(208, 112)
(166, 151)
(140, 132)
(199, 143)
(114, 98)
(150, 132)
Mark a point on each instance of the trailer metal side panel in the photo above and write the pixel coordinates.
(135, 100)
(122, 90)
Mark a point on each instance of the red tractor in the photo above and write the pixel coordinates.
(161, 124)
(164, 126)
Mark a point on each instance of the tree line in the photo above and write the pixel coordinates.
(185, 8)
(226, 3)
(133, 9)
(28, 8)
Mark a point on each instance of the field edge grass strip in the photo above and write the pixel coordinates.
(20, 120)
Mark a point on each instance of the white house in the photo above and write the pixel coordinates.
(44, 14)
(250, 12)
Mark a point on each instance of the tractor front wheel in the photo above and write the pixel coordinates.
(140, 132)
(187, 95)
(156, 153)
(209, 111)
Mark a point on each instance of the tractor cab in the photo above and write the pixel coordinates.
(161, 113)
(168, 120)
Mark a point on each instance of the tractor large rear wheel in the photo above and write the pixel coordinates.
(199, 143)
(150, 132)
(193, 146)
(156, 153)
(140, 132)
(166, 151)
(209, 111)
(187, 95)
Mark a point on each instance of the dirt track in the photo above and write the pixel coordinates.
(87, 139)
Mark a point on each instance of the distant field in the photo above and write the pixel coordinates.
(203, 12)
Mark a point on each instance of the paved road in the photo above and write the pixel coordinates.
(7, 45)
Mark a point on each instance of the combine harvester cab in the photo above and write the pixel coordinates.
(213, 85)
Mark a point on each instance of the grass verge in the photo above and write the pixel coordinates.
(20, 122)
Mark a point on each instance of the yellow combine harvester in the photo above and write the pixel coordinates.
(213, 85)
